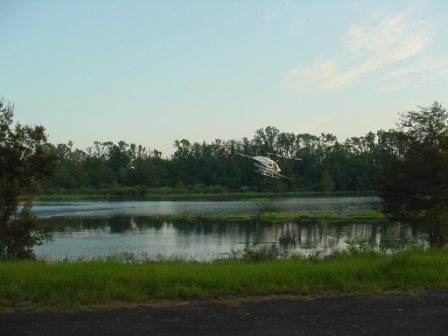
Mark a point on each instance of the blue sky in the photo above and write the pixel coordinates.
(151, 72)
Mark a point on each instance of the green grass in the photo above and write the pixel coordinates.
(70, 285)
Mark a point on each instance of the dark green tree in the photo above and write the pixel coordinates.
(415, 187)
(24, 160)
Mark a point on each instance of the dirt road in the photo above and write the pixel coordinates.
(423, 314)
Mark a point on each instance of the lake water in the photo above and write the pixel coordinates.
(92, 229)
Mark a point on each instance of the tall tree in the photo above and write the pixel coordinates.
(416, 184)
(24, 160)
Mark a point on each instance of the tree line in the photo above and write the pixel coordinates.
(326, 164)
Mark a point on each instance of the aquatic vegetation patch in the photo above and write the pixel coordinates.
(270, 217)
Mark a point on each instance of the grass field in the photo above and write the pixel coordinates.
(32, 284)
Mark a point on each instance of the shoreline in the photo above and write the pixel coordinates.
(187, 196)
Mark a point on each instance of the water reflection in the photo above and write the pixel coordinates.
(100, 236)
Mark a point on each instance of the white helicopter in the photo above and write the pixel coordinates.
(266, 166)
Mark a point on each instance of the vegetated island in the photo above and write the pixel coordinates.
(270, 217)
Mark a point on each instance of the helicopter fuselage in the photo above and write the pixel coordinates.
(264, 165)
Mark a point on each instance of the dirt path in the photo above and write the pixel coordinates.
(423, 314)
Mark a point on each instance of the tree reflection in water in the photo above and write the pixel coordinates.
(200, 237)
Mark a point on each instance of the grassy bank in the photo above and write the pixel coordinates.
(71, 285)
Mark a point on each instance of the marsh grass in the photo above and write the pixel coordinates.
(71, 285)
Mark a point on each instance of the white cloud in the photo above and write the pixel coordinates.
(386, 40)
(315, 76)
(368, 48)
(418, 74)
